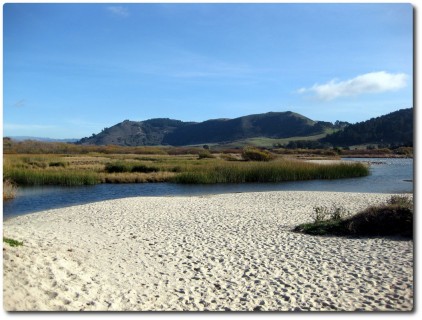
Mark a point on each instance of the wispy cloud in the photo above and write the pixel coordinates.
(118, 11)
(373, 82)
(19, 104)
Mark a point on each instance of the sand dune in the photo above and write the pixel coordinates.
(222, 252)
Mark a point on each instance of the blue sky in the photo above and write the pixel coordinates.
(72, 69)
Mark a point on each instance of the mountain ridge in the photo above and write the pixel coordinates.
(165, 131)
(393, 128)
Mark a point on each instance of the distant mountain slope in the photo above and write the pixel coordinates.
(393, 128)
(270, 125)
(135, 133)
(179, 133)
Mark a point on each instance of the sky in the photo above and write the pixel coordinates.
(70, 70)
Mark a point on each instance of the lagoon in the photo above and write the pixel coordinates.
(388, 175)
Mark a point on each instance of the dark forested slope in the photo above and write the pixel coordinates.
(395, 128)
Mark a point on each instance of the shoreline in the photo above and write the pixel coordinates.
(213, 252)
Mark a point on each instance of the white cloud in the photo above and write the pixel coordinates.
(118, 11)
(374, 82)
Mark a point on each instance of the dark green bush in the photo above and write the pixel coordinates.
(254, 154)
(395, 218)
(12, 242)
(117, 167)
(58, 164)
(323, 227)
(386, 220)
(121, 166)
(144, 168)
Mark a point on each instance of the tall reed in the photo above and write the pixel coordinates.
(279, 171)
(30, 177)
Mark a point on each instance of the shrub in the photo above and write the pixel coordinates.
(401, 201)
(321, 228)
(324, 213)
(320, 214)
(386, 220)
(254, 154)
(12, 242)
(176, 169)
(58, 164)
(205, 154)
(143, 168)
(117, 167)
(395, 218)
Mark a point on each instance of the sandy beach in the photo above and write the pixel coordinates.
(233, 252)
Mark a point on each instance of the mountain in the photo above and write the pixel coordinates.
(270, 125)
(395, 128)
(23, 138)
(179, 133)
(135, 133)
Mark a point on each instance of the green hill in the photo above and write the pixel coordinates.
(271, 125)
(395, 128)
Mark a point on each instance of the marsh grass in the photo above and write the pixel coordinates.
(277, 171)
(124, 166)
(31, 177)
(76, 170)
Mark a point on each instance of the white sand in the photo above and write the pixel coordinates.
(221, 252)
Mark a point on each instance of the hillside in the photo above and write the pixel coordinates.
(270, 125)
(178, 133)
(135, 133)
(395, 128)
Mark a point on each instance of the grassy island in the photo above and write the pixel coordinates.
(73, 170)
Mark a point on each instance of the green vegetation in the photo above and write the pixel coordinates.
(31, 177)
(124, 166)
(12, 242)
(395, 218)
(181, 168)
(205, 154)
(275, 171)
(395, 128)
(264, 142)
(254, 154)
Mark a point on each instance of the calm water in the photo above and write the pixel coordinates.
(387, 176)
